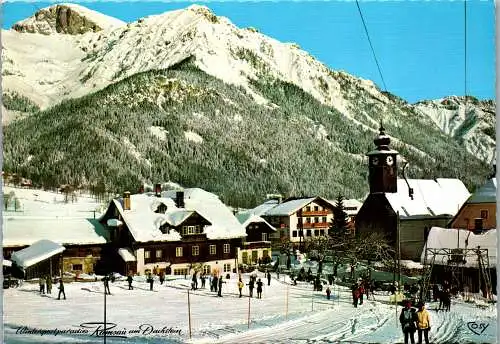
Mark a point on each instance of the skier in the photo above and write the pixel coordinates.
(240, 286)
(328, 291)
(423, 323)
(268, 278)
(49, 284)
(220, 286)
(129, 280)
(214, 283)
(195, 281)
(259, 289)
(355, 295)
(210, 282)
(41, 282)
(203, 278)
(407, 318)
(162, 277)
(106, 285)
(446, 298)
(61, 289)
(435, 292)
(250, 286)
(361, 292)
(150, 280)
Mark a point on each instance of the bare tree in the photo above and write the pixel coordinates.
(318, 248)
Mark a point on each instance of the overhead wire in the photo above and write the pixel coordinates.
(371, 45)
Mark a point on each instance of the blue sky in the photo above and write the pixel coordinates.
(420, 45)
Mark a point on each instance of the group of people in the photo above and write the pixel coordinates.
(358, 291)
(443, 294)
(45, 283)
(413, 320)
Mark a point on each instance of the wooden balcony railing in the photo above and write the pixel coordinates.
(308, 225)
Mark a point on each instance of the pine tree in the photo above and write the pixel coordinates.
(339, 227)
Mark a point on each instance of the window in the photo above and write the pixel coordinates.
(308, 233)
(162, 208)
(255, 256)
(322, 232)
(308, 208)
(178, 251)
(244, 257)
(212, 249)
(316, 219)
(484, 214)
(308, 220)
(158, 253)
(147, 254)
(190, 230)
(316, 232)
(195, 250)
(324, 219)
(227, 267)
(294, 234)
(206, 269)
(264, 237)
(77, 267)
(316, 208)
(265, 253)
(226, 248)
(179, 272)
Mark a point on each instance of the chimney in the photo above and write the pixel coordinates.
(179, 199)
(158, 190)
(141, 189)
(126, 200)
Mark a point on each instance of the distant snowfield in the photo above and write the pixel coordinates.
(308, 316)
(39, 203)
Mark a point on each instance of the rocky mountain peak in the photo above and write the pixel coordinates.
(66, 19)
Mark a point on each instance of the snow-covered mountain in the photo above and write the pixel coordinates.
(471, 122)
(73, 65)
(188, 83)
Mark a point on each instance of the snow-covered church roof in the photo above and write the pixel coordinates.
(486, 193)
(431, 197)
(144, 223)
(36, 253)
(451, 238)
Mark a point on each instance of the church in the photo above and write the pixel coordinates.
(405, 207)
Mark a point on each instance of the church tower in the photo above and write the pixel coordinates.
(382, 165)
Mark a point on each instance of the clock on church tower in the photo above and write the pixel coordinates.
(382, 165)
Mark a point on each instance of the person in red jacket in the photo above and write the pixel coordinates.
(361, 293)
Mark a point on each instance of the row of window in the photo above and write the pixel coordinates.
(315, 219)
(308, 233)
(195, 251)
(315, 208)
(206, 270)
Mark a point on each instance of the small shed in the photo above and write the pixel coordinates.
(42, 258)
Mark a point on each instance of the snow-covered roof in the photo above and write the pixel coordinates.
(126, 254)
(349, 205)
(39, 251)
(430, 197)
(245, 218)
(25, 230)
(6, 262)
(290, 207)
(486, 193)
(264, 207)
(452, 238)
(144, 224)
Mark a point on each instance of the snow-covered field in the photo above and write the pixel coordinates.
(35, 202)
(307, 316)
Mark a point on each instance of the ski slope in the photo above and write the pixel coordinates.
(307, 316)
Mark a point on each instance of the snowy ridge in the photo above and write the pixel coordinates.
(60, 18)
(473, 122)
(84, 63)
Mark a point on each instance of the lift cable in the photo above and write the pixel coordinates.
(371, 45)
